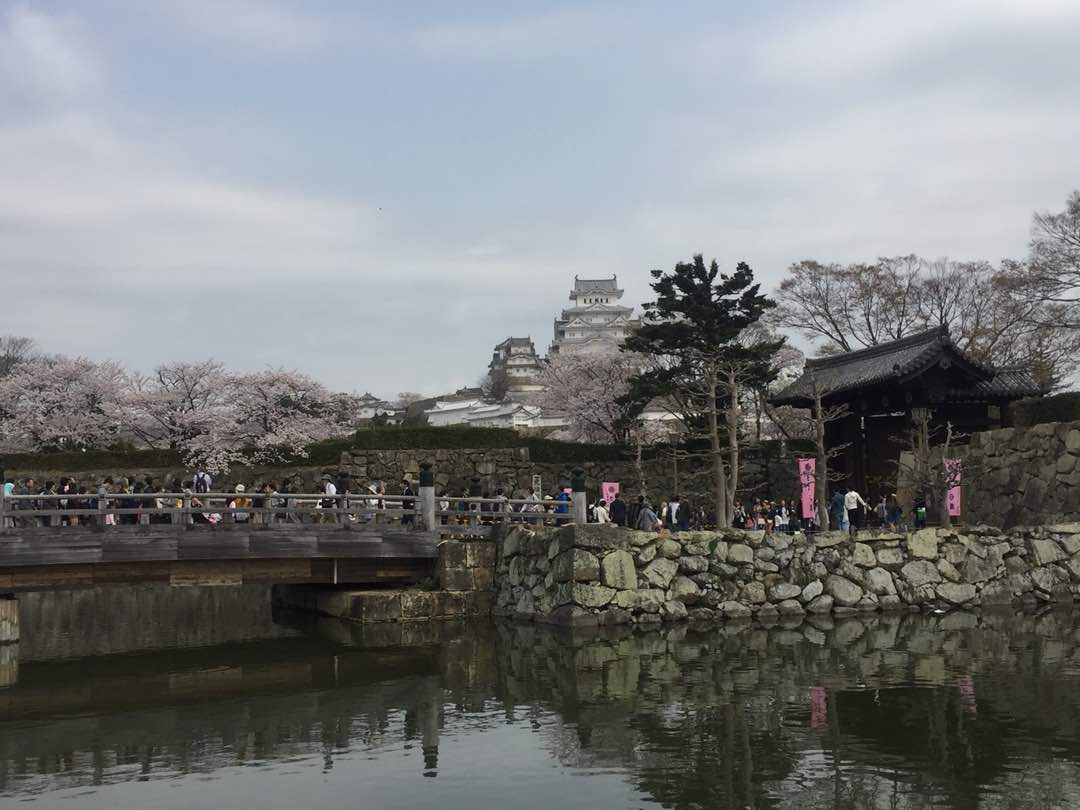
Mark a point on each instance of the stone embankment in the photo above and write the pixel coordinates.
(602, 574)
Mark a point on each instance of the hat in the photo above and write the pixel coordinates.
(239, 487)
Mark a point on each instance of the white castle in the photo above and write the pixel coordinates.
(596, 321)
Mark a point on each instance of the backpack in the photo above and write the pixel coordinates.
(200, 483)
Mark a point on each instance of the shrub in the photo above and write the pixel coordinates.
(1064, 407)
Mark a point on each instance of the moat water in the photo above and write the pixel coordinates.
(202, 698)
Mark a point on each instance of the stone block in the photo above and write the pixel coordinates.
(684, 590)
(842, 590)
(863, 555)
(617, 571)
(739, 554)
(948, 570)
(822, 604)
(923, 544)
(594, 536)
(669, 549)
(1045, 552)
(660, 572)
(790, 607)
(735, 610)
(890, 557)
(956, 593)
(784, 591)
(920, 572)
(753, 593)
(829, 539)
(880, 582)
(640, 601)
(693, 565)
(674, 611)
(812, 591)
(576, 565)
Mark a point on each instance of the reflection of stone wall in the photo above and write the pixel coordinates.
(597, 574)
(1023, 476)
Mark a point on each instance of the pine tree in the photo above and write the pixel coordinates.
(694, 336)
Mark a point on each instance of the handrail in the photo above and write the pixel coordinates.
(198, 508)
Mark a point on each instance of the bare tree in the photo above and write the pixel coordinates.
(994, 313)
(407, 398)
(930, 471)
(821, 414)
(1055, 257)
(496, 385)
(15, 349)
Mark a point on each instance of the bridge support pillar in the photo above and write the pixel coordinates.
(9, 619)
(577, 488)
(425, 501)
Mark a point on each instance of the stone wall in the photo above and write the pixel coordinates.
(601, 574)
(764, 473)
(1022, 476)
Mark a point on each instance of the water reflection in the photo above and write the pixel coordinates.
(904, 712)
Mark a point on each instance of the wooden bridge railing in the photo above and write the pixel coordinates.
(423, 511)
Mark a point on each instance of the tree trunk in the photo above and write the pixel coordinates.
(639, 466)
(946, 479)
(733, 438)
(821, 472)
(719, 475)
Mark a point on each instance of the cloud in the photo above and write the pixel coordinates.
(44, 61)
(281, 28)
(861, 39)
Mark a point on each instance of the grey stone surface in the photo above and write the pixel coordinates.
(618, 571)
(843, 590)
(660, 572)
(920, 572)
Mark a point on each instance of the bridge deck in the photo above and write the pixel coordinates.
(71, 556)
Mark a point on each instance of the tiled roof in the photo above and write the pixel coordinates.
(892, 362)
(590, 284)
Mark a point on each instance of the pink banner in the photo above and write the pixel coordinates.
(608, 491)
(952, 472)
(807, 468)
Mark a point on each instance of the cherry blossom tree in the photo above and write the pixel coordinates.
(588, 389)
(53, 403)
(277, 413)
(179, 403)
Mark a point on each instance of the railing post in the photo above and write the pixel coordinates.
(103, 509)
(3, 505)
(186, 517)
(577, 497)
(426, 499)
(177, 516)
(343, 507)
(475, 491)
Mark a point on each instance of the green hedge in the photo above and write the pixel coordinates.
(1064, 407)
(91, 460)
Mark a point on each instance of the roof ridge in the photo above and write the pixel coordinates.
(938, 332)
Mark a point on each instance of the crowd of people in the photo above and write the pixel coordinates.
(133, 500)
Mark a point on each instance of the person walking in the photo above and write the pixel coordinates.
(837, 512)
(406, 489)
(856, 507)
(647, 519)
(618, 510)
(633, 512)
(601, 513)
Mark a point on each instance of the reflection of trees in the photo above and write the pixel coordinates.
(693, 719)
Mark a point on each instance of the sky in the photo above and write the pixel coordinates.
(378, 193)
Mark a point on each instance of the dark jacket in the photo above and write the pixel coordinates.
(618, 512)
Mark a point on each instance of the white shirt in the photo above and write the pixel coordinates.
(852, 500)
(602, 515)
(330, 488)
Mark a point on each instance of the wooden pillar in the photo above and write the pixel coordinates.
(9, 618)
(578, 496)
